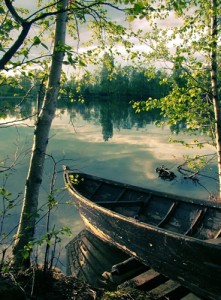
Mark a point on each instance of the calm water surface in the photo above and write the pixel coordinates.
(124, 150)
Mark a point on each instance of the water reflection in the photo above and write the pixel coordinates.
(109, 112)
(131, 136)
(104, 137)
(106, 121)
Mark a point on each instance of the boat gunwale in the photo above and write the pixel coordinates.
(137, 223)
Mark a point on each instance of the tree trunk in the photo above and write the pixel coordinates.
(26, 229)
(214, 84)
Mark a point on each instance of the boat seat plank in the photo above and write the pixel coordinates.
(164, 289)
(195, 222)
(120, 203)
(168, 215)
(143, 278)
(146, 281)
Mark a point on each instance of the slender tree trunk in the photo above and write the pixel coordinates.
(214, 84)
(26, 229)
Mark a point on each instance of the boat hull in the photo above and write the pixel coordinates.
(104, 266)
(176, 236)
(195, 264)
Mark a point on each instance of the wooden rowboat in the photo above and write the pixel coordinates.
(177, 236)
(103, 265)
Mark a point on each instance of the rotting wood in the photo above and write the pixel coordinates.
(149, 279)
(125, 273)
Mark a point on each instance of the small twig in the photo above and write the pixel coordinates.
(3, 258)
(2, 125)
(33, 282)
(192, 176)
(16, 283)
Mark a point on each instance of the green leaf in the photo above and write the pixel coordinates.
(25, 254)
(45, 46)
(36, 41)
(82, 63)
(2, 10)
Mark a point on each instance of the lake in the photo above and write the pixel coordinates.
(114, 143)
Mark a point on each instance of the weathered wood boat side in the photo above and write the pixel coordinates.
(104, 266)
(89, 259)
(177, 236)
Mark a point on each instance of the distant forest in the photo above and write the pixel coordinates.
(131, 83)
(127, 82)
(105, 95)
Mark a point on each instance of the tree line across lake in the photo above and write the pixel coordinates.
(106, 95)
(130, 82)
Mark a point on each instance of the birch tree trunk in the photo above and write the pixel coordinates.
(214, 84)
(26, 229)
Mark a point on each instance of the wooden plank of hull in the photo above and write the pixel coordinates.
(193, 263)
(88, 257)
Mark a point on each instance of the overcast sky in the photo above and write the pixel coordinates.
(85, 34)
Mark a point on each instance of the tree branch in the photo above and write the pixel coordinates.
(25, 30)
(33, 60)
(11, 123)
(40, 10)
(14, 48)
(13, 12)
(26, 25)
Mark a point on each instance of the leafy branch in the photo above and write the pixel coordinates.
(35, 17)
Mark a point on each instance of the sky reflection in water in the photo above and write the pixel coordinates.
(130, 156)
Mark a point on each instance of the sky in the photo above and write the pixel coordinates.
(85, 34)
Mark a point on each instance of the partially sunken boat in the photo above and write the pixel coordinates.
(176, 236)
(105, 266)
